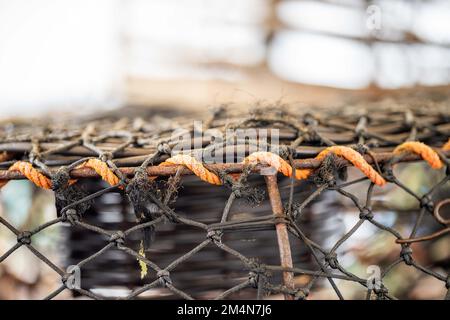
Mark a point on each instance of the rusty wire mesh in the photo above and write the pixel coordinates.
(133, 147)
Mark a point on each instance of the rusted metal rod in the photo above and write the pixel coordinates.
(230, 167)
(282, 233)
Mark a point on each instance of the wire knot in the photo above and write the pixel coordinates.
(253, 279)
(237, 189)
(215, 235)
(426, 202)
(331, 258)
(106, 156)
(24, 237)
(295, 210)
(164, 277)
(381, 291)
(361, 148)
(406, 254)
(311, 135)
(310, 120)
(117, 237)
(388, 173)
(256, 273)
(71, 216)
(301, 294)
(65, 277)
(33, 157)
(366, 214)
(285, 151)
(164, 148)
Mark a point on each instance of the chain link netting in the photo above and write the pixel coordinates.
(133, 147)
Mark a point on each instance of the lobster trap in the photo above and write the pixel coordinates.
(342, 202)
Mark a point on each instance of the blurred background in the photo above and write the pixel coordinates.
(66, 56)
(56, 55)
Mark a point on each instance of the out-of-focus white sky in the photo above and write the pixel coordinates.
(319, 45)
(70, 55)
(57, 54)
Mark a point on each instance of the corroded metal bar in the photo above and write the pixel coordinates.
(230, 167)
(282, 233)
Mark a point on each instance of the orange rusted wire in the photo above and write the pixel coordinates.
(195, 166)
(356, 159)
(427, 153)
(102, 169)
(275, 161)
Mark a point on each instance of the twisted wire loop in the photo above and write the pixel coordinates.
(355, 158)
(439, 218)
(430, 156)
(103, 170)
(432, 236)
(195, 166)
(421, 149)
(275, 161)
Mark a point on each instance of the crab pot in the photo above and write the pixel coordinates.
(336, 195)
